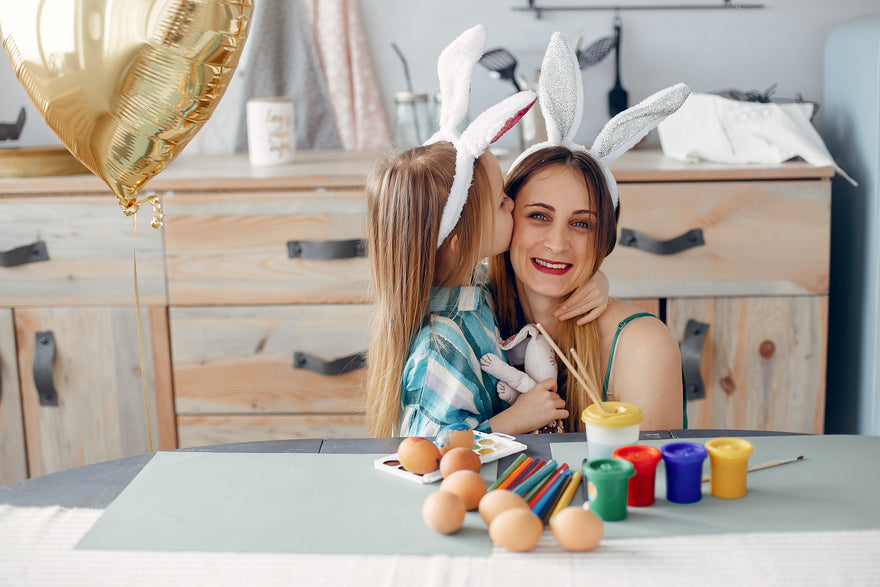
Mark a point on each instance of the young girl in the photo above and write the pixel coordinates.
(434, 212)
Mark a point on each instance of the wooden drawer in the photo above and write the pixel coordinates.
(96, 373)
(762, 363)
(13, 455)
(207, 430)
(239, 360)
(89, 245)
(232, 248)
(761, 238)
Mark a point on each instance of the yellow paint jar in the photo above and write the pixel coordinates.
(729, 462)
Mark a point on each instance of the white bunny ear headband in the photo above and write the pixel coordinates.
(561, 94)
(454, 68)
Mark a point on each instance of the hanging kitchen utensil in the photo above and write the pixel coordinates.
(618, 98)
(416, 121)
(501, 63)
(596, 52)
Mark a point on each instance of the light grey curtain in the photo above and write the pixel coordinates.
(283, 61)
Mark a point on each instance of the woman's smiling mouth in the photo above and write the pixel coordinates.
(550, 267)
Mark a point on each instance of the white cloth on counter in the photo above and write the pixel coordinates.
(722, 130)
(38, 547)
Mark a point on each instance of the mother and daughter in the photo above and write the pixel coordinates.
(437, 211)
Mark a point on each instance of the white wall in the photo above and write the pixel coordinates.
(708, 49)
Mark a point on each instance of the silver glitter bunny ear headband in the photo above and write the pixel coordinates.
(561, 91)
(455, 68)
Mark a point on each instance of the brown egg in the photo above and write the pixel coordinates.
(459, 458)
(497, 501)
(454, 437)
(516, 529)
(418, 455)
(576, 529)
(467, 485)
(443, 512)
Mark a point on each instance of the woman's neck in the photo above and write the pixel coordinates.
(537, 308)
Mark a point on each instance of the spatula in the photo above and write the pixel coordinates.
(501, 62)
(596, 52)
(618, 98)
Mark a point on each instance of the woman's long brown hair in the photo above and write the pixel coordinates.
(584, 339)
(405, 198)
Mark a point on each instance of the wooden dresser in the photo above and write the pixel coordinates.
(250, 328)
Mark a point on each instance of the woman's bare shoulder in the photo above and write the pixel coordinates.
(620, 310)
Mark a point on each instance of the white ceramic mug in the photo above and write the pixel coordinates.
(271, 136)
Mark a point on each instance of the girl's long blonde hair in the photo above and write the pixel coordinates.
(405, 198)
(584, 339)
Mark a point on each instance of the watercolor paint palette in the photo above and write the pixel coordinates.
(489, 446)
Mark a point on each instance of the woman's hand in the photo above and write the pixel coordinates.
(533, 410)
(587, 301)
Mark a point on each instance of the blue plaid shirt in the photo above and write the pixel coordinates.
(442, 380)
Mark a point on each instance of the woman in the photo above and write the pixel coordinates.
(565, 224)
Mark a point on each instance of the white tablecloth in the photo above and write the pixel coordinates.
(37, 548)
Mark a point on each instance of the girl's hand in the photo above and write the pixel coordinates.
(588, 301)
(533, 410)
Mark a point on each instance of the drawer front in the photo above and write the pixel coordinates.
(89, 245)
(232, 248)
(762, 363)
(239, 360)
(761, 238)
(208, 430)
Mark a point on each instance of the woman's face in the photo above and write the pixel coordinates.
(502, 206)
(552, 250)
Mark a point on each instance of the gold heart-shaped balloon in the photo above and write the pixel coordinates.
(125, 84)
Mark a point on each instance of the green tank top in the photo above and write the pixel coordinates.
(620, 326)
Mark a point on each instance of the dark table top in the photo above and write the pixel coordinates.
(96, 486)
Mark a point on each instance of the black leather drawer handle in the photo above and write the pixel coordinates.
(347, 249)
(24, 255)
(336, 367)
(690, 239)
(44, 362)
(691, 351)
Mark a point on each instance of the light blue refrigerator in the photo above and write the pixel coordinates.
(851, 129)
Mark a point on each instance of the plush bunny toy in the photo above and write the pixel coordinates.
(560, 94)
(529, 349)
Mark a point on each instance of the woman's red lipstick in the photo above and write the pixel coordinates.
(545, 266)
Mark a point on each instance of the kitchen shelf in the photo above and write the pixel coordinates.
(724, 5)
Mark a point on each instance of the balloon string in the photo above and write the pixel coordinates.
(140, 332)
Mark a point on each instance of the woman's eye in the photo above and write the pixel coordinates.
(581, 224)
(538, 216)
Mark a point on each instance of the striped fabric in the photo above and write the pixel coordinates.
(442, 381)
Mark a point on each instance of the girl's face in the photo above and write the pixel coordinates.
(499, 241)
(552, 249)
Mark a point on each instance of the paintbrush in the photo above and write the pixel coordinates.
(768, 465)
(590, 391)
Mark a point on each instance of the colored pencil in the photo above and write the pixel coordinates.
(544, 503)
(767, 465)
(533, 497)
(536, 479)
(522, 467)
(568, 494)
(529, 471)
(557, 495)
(508, 471)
